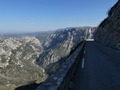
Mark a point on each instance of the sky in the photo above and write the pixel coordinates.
(41, 15)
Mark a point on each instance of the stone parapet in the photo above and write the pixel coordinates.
(60, 79)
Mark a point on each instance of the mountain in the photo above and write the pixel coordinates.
(26, 60)
(18, 35)
(108, 32)
(42, 36)
(58, 45)
(17, 56)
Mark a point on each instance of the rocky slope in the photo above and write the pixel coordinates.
(59, 44)
(108, 32)
(42, 36)
(23, 60)
(17, 58)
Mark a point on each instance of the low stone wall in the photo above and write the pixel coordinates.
(59, 80)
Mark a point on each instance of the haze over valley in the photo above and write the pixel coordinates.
(40, 39)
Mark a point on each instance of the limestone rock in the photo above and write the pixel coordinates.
(17, 56)
(58, 45)
(108, 32)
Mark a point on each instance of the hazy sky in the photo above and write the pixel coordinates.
(40, 15)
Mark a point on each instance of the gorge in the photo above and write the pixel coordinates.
(31, 59)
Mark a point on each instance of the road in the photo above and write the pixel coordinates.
(99, 69)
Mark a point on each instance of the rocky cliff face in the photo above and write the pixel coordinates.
(59, 44)
(17, 58)
(108, 32)
(18, 63)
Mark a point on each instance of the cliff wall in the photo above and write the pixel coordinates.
(108, 32)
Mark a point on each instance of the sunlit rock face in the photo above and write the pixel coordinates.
(108, 32)
(58, 45)
(27, 59)
(17, 56)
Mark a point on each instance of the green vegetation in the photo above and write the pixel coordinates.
(20, 69)
(3, 59)
(6, 48)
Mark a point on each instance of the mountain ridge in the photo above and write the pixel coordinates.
(59, 44)
(32, 59)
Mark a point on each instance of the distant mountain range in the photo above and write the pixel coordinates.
(19, 35)
(58, 45)
(31, 57)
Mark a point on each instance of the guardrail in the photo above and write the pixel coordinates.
(59, 80)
